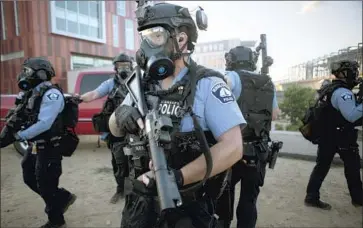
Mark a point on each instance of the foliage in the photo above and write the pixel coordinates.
(296, 101)
(279, 127)
(293, 127)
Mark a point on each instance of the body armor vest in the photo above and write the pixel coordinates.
(32, 109)
(334, 123)
(185, 147)
(255, 103)
(114, 98)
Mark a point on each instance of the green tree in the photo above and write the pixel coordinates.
(297, 100)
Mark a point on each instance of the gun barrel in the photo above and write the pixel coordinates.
(168, 192)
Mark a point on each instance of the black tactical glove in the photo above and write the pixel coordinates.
(150, 187)
(126, 119)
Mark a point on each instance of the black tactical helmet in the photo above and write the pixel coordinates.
(168, 16)
(342, 65)
(122, 58)
(242, 57)
(38, 63)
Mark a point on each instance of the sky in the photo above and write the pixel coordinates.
(296, 31)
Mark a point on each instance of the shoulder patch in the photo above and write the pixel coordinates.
(347, 96)
(53, 96)
(222, 92)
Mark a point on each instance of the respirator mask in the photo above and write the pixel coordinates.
(29, 79)
(156, 54)
(123, 70)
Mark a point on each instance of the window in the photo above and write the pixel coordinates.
(121, 8)
(129, 33)
(197, 49)
(16, 18)
(79, 19)
(221, 47)
(115, 30)
(92, 81)
(210, 47)
(3, 26)
(205, 48)
(215, 47)
(80, 62)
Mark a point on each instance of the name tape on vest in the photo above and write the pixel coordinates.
(170, 108)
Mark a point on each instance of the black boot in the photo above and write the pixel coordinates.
(317, 203)
(357, 203)
(118, 195)
(53, 225)
(71, 199)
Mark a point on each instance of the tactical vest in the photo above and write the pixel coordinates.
(114, 98)
(32, 109)
(185, 146)
(255, 103)
(332, 120)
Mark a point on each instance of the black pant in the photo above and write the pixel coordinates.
(351, 159)
(41, 173)
(119, 164)
(252, 178)
(141, 211)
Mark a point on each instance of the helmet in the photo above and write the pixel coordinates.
(169, 16)
(342, 65)
(35, 70)
(122, 72)
(346, 69)
(242, 57)
(122, 58)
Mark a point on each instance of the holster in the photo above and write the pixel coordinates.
(100, 122)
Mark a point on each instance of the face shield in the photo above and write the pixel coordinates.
(155, 37)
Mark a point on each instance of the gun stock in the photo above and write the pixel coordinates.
(157, 130)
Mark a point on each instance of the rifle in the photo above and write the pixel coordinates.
(157, 131)
(275, 148)
(267, 61)
(14, 122)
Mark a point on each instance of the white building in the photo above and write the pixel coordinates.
(211, 54)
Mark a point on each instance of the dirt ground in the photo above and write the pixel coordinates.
(88, 174)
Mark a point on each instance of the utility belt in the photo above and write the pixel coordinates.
(64, 144)
(255, 152)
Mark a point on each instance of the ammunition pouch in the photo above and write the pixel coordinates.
(100, 122)
(139, 158)
(69, 142)
(255, 152)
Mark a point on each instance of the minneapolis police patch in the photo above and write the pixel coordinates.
(53, 96)
(222, 93)
(347, 96)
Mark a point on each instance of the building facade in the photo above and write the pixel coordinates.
(211, 54)
(70, 34)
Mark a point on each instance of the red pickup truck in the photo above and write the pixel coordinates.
(78, 82)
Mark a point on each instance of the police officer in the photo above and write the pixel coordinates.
(168, 36)
(42, 166)
(340, 135)
(116, 91)
(240, 65)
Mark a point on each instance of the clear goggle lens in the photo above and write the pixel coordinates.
(155, 37)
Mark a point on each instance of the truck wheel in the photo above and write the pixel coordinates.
(21, 147)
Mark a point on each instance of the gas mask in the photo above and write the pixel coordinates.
(352, 77)
(122, 72)
(156, 53)
(29, 79)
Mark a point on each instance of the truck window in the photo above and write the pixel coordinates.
(92, 81)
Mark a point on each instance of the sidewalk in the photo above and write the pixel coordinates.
(295, 146)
